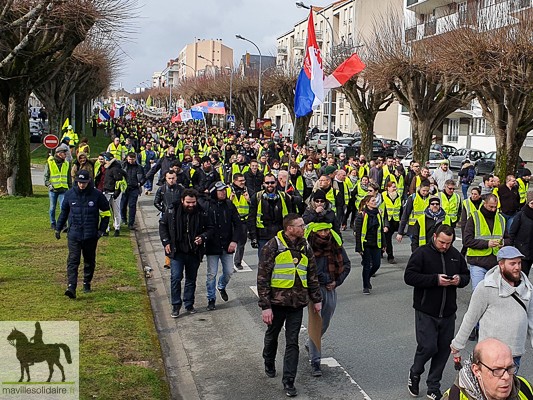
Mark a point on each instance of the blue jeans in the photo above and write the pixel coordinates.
(464, 188)
(509, 220)
(517, 362)
(226, 259)
(188, 263)
(477, 274)
(129, 200)
(54, 197)
(371, 255)
(262, 243)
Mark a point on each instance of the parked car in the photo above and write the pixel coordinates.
(342, 143)
(36, 131)
(486, 164)
(389, 145)
(446, 150)
(320, 141)
(435, 158)
(458, 158)
(404, 148)
(378, 149)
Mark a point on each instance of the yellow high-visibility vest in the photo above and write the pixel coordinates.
(393, 207)
(419, 206)
(58, 179)
(470, 207)
(285, 269)
(258, 219)
(482, 231)
(523, 187)
(422, 224)
(451, 206)
(242, 205)
(364, 230)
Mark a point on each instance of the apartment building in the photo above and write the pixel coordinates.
(203, 57)
(341, 25)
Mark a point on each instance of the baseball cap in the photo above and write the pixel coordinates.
(444, 162)
(508, 252)
(82, 176)
(69, 127)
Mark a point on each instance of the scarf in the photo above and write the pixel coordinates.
(439, 215)
(329, 248)
(373, 221)
(468, 382)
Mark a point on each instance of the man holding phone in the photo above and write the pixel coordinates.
(435, 270)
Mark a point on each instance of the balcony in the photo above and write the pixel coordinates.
(440, 26)
(282, 51)
(519, 5)
(426, 6)
(319, 36)
(298, 44)
(430, 28)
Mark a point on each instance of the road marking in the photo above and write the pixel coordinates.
(245, 267)
(332, 363)
(254, 289)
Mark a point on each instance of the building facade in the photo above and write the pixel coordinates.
(201, 57)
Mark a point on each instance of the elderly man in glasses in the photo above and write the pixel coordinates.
(320, 211)
(490, 374)
(502, 304)
(267, 209)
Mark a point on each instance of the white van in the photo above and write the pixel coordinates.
(287, 130)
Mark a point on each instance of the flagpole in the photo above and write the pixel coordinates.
(289, 169)
(205, 122)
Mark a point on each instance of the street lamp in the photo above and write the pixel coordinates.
(230, 88)
(259, 96)
(193, 70)
(212, 63)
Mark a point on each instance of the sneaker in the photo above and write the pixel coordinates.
(175, 312)
(343, 227)
(434, 394)
(366, 291)
(270, 370)
(223, 294)
(289, 388)
(124, 222)
(210, 305)
(106, 234)
(87, 288)
(117, 232)
(53, 227)
(413, 384)
(316, 369)
(166, 266)
(149, 192)
(146, 192)
(131, 227)
(392, 261)
(239, 267)
(370, 286)
(190, 310)
(70, 292)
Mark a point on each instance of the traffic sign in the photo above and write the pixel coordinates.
(51, 141)
(230, 118)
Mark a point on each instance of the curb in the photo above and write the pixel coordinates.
(177, 366)
(37, 166)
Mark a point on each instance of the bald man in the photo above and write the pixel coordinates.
(489, 374)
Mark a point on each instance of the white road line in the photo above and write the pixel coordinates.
(332, 363)
(245, 267)
(254, 289)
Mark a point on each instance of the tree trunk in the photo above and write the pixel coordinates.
(367, 138)
(422, 135)
(23, 183)
(300, 128)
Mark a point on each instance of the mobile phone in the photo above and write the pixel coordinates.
(449, 277)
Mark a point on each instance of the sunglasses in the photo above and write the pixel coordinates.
(320, 201)
(434, 204)
(270, 183)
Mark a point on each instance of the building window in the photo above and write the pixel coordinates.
(453, 130)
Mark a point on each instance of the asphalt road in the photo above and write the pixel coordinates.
(367, 350)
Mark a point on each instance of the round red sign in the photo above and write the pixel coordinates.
(51, 141)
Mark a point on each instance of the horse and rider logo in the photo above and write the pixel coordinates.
(30, 352)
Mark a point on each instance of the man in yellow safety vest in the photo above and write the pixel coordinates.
(57, 179)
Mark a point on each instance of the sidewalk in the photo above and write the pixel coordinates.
(217, 354)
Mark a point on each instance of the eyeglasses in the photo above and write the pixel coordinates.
(270, 183)
(320, 201)
(499, 372)
(416, 166)
(434, 204)
(298, 226)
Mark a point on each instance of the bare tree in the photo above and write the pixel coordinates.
(414, 74)
(496, 61)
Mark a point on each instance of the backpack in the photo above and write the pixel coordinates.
(470, 176)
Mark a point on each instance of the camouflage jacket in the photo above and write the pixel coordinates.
(295, 297)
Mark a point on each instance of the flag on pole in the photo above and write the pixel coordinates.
(210, 107)
(66, 124)
(345, 71)
(149, 101)
(120, 112)
(103, 116)
(310, 85)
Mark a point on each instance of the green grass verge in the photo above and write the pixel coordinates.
(116, 326)
(97, 145)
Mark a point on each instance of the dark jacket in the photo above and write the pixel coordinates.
(404, 221)
(509, 199)
(166, 196)
(521, 233)
(272, 217)
(327, 216)
(202, 180)
(173, 230)
(113, 175)
(371, 234)
(422, 272)
(183, 178)
(227, 225)
(134, 175)
(322, 270)
(431, 228)
(254, 182)
(295, 297)
(486, 262)
(82, 209)
(164, 164)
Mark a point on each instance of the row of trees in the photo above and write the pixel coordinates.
(488, 58)
(54, 48)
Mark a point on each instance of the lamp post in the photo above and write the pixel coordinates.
(193, 70)
(212, 63)
(230, 87)
(259, 95)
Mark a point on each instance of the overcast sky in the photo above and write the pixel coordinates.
(167, 26)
